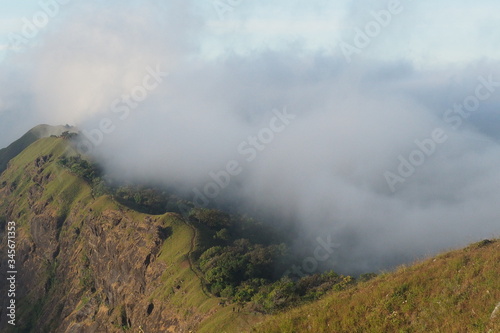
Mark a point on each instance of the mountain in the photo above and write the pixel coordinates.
(89, 259)
(38, 132)
(458, 291)
(90, 264)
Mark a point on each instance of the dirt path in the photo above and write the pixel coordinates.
(192, 247)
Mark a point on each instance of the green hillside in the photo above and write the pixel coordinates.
(458, 291)
(92, 264)
(92, 261)
(40, 131)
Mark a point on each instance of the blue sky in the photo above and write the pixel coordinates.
(354, 115)
(425, 32)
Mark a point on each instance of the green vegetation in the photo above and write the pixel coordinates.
(244, 270)
(8, 153)
(236, 257)
(49, 177)
(81, 167)
(146, 199)
(226, 267)
(87, 277)
(15, 148)
(215, 263)
(454, 292)
(286, 293)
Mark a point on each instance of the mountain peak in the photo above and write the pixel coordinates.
(34, 134)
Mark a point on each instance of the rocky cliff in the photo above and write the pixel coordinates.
(88, 264)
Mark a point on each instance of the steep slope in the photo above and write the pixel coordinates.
(457, 291)
(38, 132)
(89, 264)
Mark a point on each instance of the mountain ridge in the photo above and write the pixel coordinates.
(456, 291)
(92, 264)
(37, 132)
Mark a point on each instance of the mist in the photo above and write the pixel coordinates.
(281, 129)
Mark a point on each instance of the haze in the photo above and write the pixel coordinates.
(177, 90)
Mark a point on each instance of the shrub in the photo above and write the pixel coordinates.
(211, 217)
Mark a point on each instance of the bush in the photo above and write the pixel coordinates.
(367, 276)
(277, 296)
(223, 235)
(81, 167)
(241, 262)
(213, 218)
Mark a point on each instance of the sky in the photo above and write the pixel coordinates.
(374, 122)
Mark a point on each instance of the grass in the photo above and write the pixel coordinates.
(69, 200)
(189, 299)
(15, 148)
(453, 292)
(6, 154)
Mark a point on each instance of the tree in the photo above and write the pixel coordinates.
(211, 217)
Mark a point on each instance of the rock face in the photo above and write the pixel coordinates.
(88, 264)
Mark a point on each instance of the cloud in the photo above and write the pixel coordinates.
(323, 172)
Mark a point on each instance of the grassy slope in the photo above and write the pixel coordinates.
(174, 253)
(65, 190)
(453, 292)
(69, 193)
(40, 131)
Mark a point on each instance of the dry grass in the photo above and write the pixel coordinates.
(454, 292)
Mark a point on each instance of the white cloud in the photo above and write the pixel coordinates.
(352, 120)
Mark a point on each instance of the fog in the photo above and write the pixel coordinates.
(369, 151)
